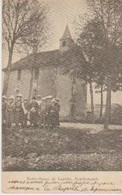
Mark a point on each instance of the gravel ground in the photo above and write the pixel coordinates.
(64, 149)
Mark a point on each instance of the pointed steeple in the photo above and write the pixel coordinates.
(67, 34)
(66, 40)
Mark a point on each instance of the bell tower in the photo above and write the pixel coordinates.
(66, 40)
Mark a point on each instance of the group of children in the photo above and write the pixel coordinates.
(36, 113)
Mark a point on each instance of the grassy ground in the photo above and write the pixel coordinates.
(61, 150)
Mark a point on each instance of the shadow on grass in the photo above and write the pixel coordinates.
(61, 150)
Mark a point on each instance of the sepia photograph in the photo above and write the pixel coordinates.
(61, 85)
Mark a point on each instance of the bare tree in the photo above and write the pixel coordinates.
(23, 20)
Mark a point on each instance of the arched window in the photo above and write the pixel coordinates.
(35, 92)
(17, 92)
(64, 43)
(19, 75)
(36, 74)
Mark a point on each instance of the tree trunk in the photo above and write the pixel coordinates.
(73, 106)
(101, 105)
(31, 79)
(31, 86)
(108, 106)
(7, 74)
(92, 97)
(54, 80)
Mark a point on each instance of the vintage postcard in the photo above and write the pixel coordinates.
(62, 96)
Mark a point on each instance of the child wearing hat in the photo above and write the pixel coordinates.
(38, 99)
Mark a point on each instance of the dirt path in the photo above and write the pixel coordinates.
(93, 128)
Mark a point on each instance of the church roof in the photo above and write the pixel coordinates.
(53, 58)
(36, 60)
(67, 33)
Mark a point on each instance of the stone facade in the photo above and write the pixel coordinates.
(49, 80)
(19, 86)
(49, 84)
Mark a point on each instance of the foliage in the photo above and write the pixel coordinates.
(81, 149)
(75, 65)
(107, 36)
(101, 42)
(116, 114)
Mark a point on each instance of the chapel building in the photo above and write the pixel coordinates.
(47, 73)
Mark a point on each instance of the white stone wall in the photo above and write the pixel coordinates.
(51, 82)
(45, 82)
(22, 85)
(64, 93)
(81, 99)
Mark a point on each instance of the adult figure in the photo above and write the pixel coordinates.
(48, 110)
(53, 114)
(18, 111)
(4, 109)
(42, 115)
(25, 106)
(10, 111)
(57, 104)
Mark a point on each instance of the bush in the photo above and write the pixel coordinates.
(116, 114)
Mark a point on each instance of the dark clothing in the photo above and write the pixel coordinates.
(25, 116)
(18, 113)
(53, 116)
(57, 113)
(26, 106)
(10, 113)
(55, 108)
(25, 119)
(48, 117)
(4, 112)
(34, 115)
(42, 115)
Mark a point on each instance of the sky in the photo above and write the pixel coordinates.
(61, 13)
